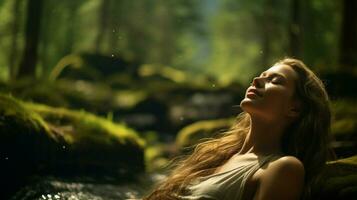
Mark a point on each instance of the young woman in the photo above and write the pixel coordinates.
(275, 150)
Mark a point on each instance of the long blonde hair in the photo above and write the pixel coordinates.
(306, 139)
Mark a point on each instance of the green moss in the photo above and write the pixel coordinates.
(350, 192)
(25, 142)
(65, 141)
(344, 108)
(191, 134)
(339, 183)
(154, 158)
(128, 98)
(9, 106)
(344, 126)
(345, 161)
(338, 180)
(75, 94)
(86, 125)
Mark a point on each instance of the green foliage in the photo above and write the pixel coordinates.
(247, 37)
(6, 31)
(228, 40)
(322, 21)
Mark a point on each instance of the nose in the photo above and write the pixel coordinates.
(258, 82)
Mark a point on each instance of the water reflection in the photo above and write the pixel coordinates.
(85, 188)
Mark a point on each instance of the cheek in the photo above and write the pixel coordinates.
(277, 100)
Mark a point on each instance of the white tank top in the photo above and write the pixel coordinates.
(228, 185)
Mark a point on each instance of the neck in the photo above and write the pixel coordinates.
(263, 138)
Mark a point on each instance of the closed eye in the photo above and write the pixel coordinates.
(275, 78)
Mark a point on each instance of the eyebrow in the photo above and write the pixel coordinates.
(274, 74)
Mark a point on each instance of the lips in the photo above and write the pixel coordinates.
(253, 91)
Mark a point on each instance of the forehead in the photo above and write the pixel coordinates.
(284, 70)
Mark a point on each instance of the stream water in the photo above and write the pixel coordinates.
(86, 188)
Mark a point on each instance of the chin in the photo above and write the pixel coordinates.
(248, 106)
(245, 104)
(247, 101)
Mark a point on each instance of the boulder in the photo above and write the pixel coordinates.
(39, 139)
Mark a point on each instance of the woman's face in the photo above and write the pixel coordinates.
(271, 94)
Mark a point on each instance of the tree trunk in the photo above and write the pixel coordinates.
(116, 24)
(295, 30)
(103, 24)
(71, 31)
(267, 28)
(14, 41)
(348, 40)
(33, 22)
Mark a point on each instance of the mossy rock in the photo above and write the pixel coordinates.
(75, 94)
(94, 67)
(22, 131)
(65, 142)
(343, 108)
(193, 133)
(26, 143)
(345, 117)
(344, 127)
(155, 158)
(339, 180)
(92, 96)
(92, 142)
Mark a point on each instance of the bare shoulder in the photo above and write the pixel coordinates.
(287, 164)
(286, 167)
(282, 178)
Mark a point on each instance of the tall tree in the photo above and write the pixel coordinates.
(33, 22)
(348, 41)
(103, 24)
(295, 32)
(267, 26)
(70, 30)
(14, 38)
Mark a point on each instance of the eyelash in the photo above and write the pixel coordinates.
(273, 79)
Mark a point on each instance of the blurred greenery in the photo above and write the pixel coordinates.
(158, 65)
(111, 73)
(229, 40)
